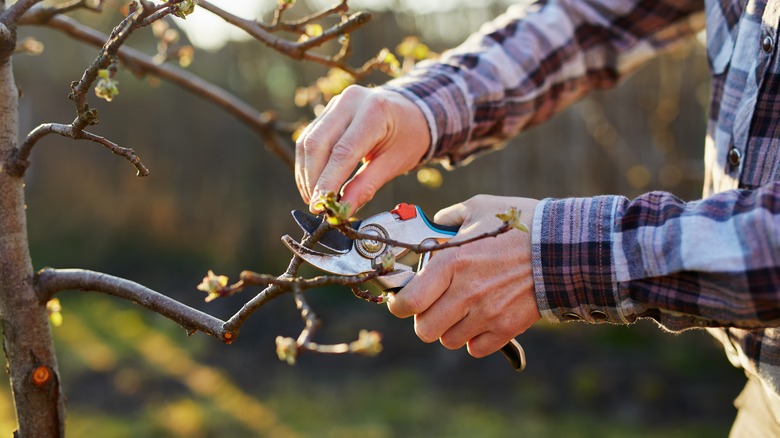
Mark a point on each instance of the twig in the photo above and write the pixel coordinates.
(116, 39)
(368, 296)
(50, 281)
(263, 124)
(326, 349)
(299, 50)
(273, 291)
(15, 11)
(421, 248)
(64, 8)
(249, 278)
(20, 161)
(298, 26)
(311, 321)
(85, 116)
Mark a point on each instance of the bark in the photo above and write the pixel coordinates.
(27, 339)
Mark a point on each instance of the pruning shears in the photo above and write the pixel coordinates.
(405, 223)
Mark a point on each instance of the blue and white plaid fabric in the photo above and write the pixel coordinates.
(712, 263)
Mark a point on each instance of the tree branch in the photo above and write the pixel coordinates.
(21, 159)
(139, 63)
(311, 321)
(64, 8)
(15, 11)
(299, 26)
(421, 248)
(116, 39)
(274, 290)
(49, 281)
(298, 50)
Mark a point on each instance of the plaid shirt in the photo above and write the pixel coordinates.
(712, 263)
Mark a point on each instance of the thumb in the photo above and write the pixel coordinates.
(453, 215)
(371, 176)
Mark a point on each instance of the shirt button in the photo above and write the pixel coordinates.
(735, 156)
(571, 316)
(767, 43)
(598, 315)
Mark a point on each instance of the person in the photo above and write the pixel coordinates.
(712, 263)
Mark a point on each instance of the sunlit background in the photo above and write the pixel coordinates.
(217, 200)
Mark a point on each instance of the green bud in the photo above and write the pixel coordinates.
(512, 217)
(213, 285)
(106, 87)
(185, 8)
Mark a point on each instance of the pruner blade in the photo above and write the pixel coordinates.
(404, 222)
(340, 264)
(332, 239)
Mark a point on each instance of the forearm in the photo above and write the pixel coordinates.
(709, 263)
(530, 63)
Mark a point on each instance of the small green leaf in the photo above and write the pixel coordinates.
(512, 217)
(337, 212)
(106, 87)
(213, 285)
(185, 8)
(523, 227)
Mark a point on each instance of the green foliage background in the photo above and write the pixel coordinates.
(217, 200)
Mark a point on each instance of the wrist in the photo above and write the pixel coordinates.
(573, 266)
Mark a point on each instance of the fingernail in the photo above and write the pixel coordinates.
(390, 298)
(315, 196)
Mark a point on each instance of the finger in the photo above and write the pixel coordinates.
(440, 317)
(319, 142)
(300, 158)
(299, 166)
(453, 215)
(485, 344)
(424, 289)
(371, 176)
(365, 132)
(460, 333)
(300, 161)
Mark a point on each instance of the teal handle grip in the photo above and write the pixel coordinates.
(443, 229)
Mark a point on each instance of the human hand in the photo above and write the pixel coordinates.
(384, 129)
(480, 294)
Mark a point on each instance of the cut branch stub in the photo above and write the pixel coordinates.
(41, 375)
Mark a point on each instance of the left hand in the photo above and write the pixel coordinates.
(480, 294)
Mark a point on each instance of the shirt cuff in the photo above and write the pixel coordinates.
(443, 97)
(573, 266)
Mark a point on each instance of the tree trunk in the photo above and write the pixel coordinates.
(27, 339)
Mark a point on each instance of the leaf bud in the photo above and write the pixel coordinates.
(369, 343)
(286, 349)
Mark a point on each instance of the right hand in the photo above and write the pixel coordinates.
(384, 129)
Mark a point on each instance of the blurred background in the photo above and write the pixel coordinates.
(217, 200)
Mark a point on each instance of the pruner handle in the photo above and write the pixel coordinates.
(513, 352)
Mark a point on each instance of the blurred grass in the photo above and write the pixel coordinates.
(131, 375)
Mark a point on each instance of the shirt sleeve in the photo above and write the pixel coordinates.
(533, 61)
(708, 263)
